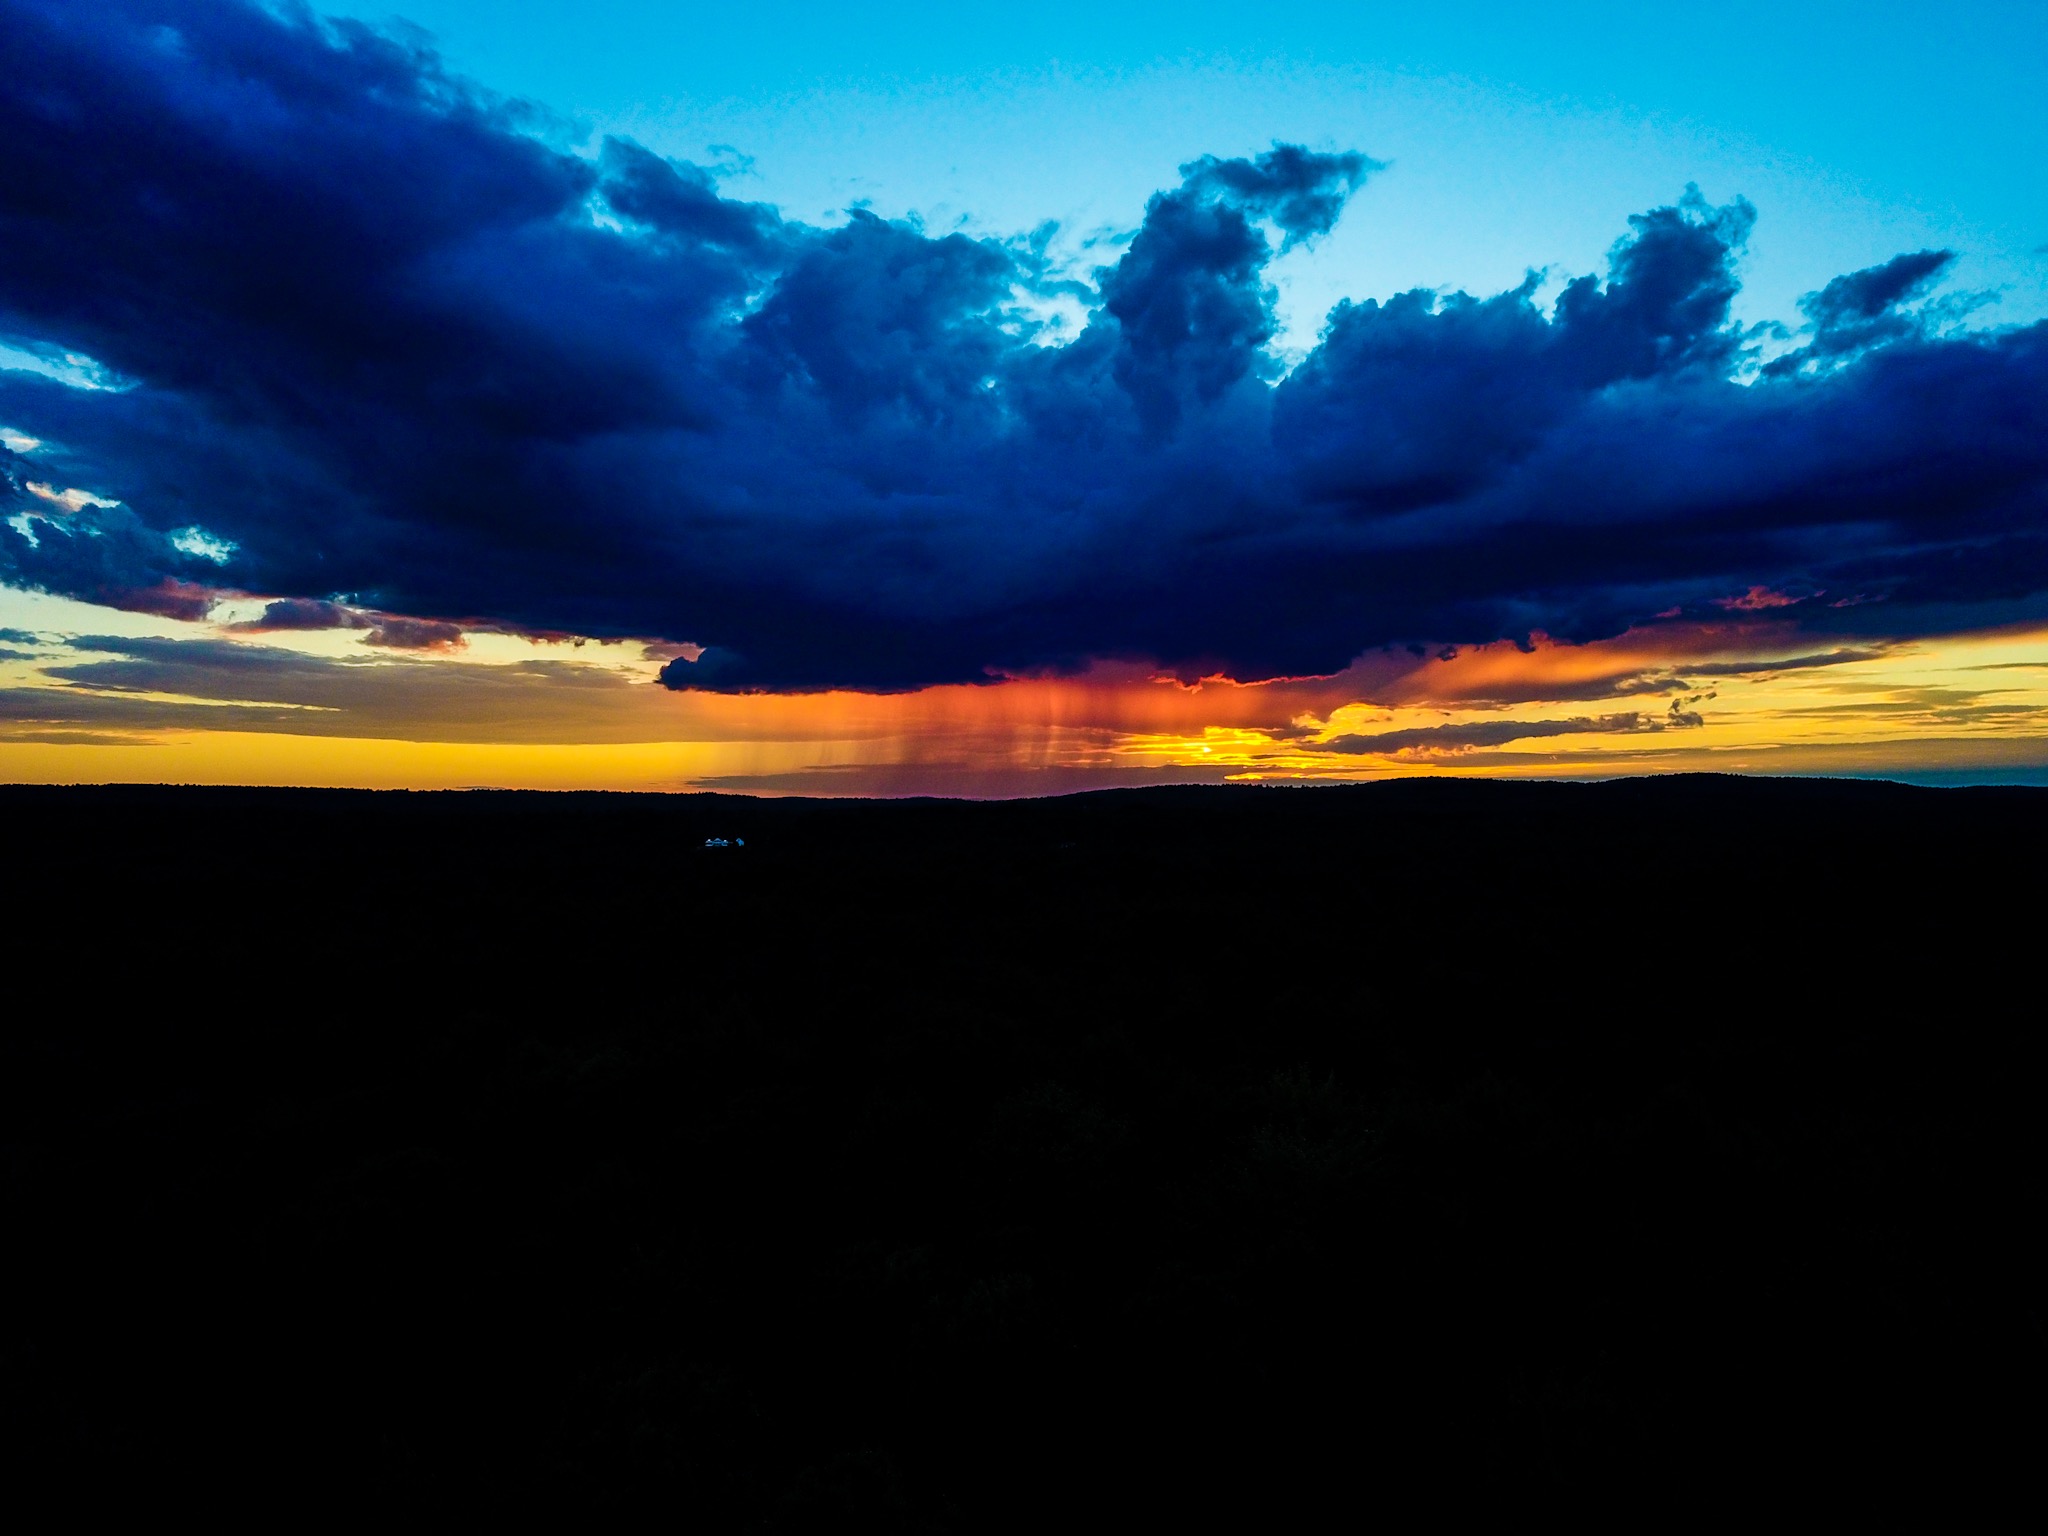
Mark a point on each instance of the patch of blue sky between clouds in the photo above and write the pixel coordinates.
(74, 369)
(197, 541)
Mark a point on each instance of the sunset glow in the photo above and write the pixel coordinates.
(323, 709)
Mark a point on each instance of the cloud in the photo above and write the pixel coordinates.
(390, 631)
(294, 613)
(1755, 600)
(1841, 657)
(1458, 739)
(376, 334)
(1190, 310)
(143, 684)
(401, 634)
(1863, 309)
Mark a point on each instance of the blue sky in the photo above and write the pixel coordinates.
(1519, 135)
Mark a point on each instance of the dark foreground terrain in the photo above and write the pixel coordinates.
(1244, 1152)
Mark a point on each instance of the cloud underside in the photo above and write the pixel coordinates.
(371, 347)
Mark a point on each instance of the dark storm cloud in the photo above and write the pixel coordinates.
(366, 325)
(1190, 309)
(1863, 309)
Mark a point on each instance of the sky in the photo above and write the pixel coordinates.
(927, 400)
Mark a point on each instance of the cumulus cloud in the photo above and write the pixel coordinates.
(376, 336)
(1190, 311)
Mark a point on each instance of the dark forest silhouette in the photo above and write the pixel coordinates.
(934, 1165)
